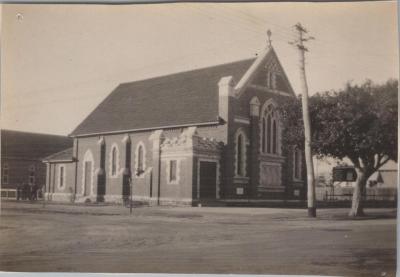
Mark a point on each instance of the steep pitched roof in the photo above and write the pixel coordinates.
(62, 156)
(174, 100)
(31, 146)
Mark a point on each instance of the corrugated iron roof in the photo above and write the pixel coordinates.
(32, 146)
(174, 100)
(62, 156)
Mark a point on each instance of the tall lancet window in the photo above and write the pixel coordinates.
(140, 159)
(268, 134)
(263, 130)
(274, 137)
(270, 131)
(240, 154)
(114, 162)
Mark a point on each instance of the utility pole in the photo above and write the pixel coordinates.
(299, 43)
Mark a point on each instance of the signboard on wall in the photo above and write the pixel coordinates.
(344, 174)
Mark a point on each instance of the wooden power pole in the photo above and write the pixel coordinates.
(299, 43)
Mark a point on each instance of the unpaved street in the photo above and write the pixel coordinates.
(195, 240)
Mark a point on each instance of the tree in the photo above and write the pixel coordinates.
(358, 123)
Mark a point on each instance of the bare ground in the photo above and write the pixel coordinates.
(195, 240)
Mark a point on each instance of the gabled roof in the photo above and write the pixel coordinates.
(62, 156)
(258, 68)
(31, 146)
(187, 98)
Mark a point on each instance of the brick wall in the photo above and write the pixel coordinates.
(18, 172)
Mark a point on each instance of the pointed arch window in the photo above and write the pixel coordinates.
(270, 136)
(114, 160)
(240, 154)
(263, 130)
(274, 137)
(140, 160)
(297, 163)
(87, 173)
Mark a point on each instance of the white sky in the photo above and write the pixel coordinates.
(60, 61)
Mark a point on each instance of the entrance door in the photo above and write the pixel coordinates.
(208, 180)
(88, 177)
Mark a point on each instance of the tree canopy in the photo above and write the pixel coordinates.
(358, 122)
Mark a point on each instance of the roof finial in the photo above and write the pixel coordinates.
(269, 33)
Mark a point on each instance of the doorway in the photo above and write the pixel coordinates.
(87, 178)
(208, 180)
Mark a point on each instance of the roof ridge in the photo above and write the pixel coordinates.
(128, 106)
(32, 133)
(186, 71)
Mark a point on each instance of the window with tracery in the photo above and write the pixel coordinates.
(270, 131)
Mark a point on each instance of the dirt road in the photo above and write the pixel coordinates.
(195, 240)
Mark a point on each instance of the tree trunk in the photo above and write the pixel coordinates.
(357, 204)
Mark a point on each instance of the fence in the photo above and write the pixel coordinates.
(371, 194)
(20, 195)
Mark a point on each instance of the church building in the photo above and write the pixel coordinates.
(210, 134)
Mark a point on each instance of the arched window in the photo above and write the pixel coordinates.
(270, 143)
(274, 137)
(114, 160)
(263, 129)
(240, 154)
(87, 173)
(140, 159)
(268, 134)
(297, 164)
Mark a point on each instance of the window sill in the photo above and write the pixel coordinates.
(241, 179)
(271, 157)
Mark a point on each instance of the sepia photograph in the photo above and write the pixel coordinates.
(200, 138)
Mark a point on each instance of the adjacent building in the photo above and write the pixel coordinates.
(22, 154)
(208, 134)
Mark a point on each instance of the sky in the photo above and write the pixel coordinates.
(58, 62)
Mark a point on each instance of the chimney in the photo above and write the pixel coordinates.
(226, 89)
